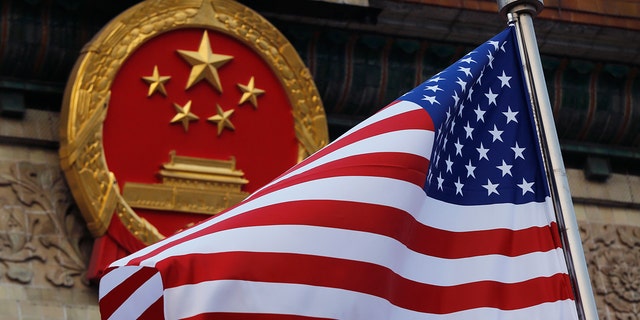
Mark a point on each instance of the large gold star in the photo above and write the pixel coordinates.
(222, 119)
(204, 64)
(184, 115)
(250, 92)
(156, 82)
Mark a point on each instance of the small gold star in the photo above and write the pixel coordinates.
(204, 64)
(250, 92)
(222, 119)
(156, 82)
(184, 115)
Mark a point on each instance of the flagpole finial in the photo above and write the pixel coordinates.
(532, 7)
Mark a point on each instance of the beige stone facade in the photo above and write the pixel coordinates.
(45, 246)
(609, 218)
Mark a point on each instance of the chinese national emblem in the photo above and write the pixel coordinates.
(174, 113)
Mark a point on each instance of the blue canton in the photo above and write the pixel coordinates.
(486, 149)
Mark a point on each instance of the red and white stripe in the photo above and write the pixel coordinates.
(350, 234)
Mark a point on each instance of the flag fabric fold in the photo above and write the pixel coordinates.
(436, 207)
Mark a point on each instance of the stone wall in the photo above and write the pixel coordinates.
(44, 245)
(609, 218)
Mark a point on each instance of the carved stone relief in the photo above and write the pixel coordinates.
(40, 227)
(613, 257)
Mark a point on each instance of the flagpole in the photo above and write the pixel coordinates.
(521, 12)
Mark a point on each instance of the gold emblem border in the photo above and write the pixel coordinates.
(86, 97)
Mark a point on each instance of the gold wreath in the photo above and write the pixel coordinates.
(87, 94)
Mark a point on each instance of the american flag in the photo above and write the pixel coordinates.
(436, 207)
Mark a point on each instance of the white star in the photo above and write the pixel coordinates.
(479, 81)
(490, 56)
(518, 151)
(496, 134)
(436, 79)
(468, 131)
(479, 114)
(502, 46)
(453, 125)
(470, 169)
(491, 188)
(433, 88)
(467, 71)
(505, 168)
(492, 97)
(495, 44)
(468, 60)
(462, 84)
(511, 115)
(469, 97)
(458, 147)
(430, 99)
(449, 164)
(483, 152)
(504, 80)
(445, 142)
(440, 180)
(526, 186)
(458, 186)
(448, 115)
(460, 110)
(455, 98)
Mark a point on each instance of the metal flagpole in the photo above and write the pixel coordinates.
(521, 12)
